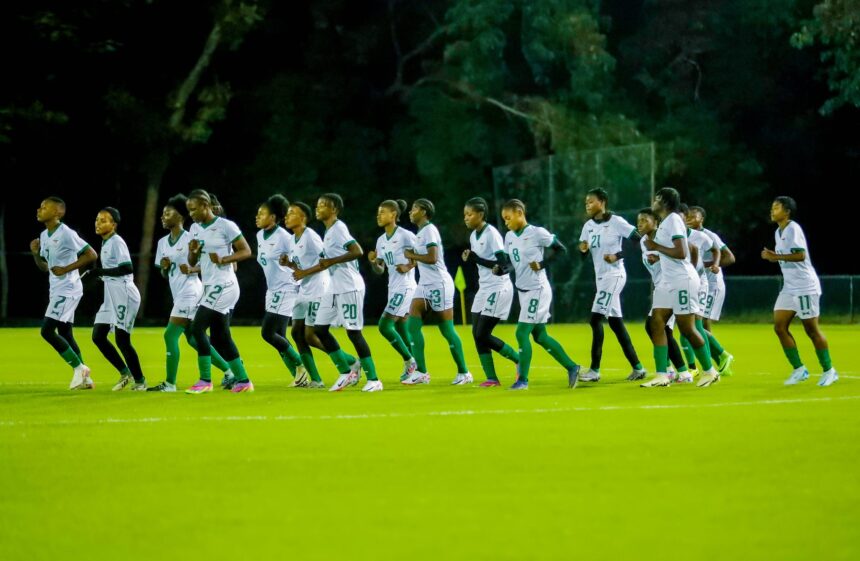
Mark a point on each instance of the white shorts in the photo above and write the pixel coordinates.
(607, 299)
(344, 310)
(119, 309)
(494, 302)
(716, 298)
(679, 296)
(535, 305)
(305, 307)
(806, 306)
(62, 308)
(703, 295)
(281, 302)
(221, 298)
(185, 307)
(439, 296)
(399, 302)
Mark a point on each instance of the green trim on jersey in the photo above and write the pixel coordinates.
(349, 243)
(431, 244)
(523, 229)
(394, 231)
(124, 263)
(797, 250)
(425, 225)
(679, 237)
(481, 231)
(205, 225)
(268, 233)
(236, 238)
(83, 250)
(50, 233)
(176, 241)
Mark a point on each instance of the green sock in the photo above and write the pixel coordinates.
(289, 362)
(488, 366)
(387, 329)
(661, 358)
(414, 324)
(454, 343)
(403, 330)
(716, 348)
(216, 358)
(311, 366)
(204, 365)
(238, 368)
(171, 342)
(638, 366)
(703, 353)
(689, 354)
(340, 360)
(71, 357)
(524, 331)
(369, 368)
(125, 372)
(824, 358)
(509, 353)
(553, 347)
(793, 356)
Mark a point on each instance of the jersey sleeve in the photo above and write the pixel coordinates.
(495, 243)
(622, 227)
(344, 238)
(159, 251)
(795, 239)
(676, 228)
(378, 248)
(583, 236)
(231, 231)
(543, 237)
(121, 253)
(432, 237)
(75, 242)
(409, 239)
(718, 242)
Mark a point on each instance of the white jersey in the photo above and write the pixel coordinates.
(270, 246)
(61, 248)
(525, 247)
(427, 237)
(216, 237)
(674, 270)
(114, 252)
(486, 244)
(718, 243)
(654, 269)
(344, 276)
(390, 250)
(604, 238)
(703, 243)
(799, 277)
(305, 253)
(181, 285)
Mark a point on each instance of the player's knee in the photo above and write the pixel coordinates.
(596, 320)
(47, 331)
(780, 329)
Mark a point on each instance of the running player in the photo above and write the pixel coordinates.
(495, 295)
(434, 295)
(602, 236)
(121, 302)
(800, 294)
(401, 279)
(60, 252)
(525, 246)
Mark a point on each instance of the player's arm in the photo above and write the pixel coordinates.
(353, 252)
(122, 269)
(35, 247)
(795, 256)
(194, 249)
(85, 257)
(470, 256)
(504, 265)
(428, 259)
(675, 252)
(377, 265)
(694, 254)
(726, 257)
(557, 249)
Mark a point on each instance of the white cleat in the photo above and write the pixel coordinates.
(301, 380)
(81, 379)
(684, 378)
(799, 375)
(341, 382)
(658, 381)
(355, 373)
(708, 379)
(139, 387)
(589, 376)
(372, 386)
(409, 368)
(417, 377)
(316, 385)
(828, 378)
(124, 380)
(463, 379)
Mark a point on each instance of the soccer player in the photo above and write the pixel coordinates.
(677, 291)
(171, 256)
(217, 244)
(800, 294)
(61, 253)
(434, 295)
(305, 251)
(401, 279)
(343, 301)
(121, 302)
(525, 246)
(495, 295)
(720, 256)
(602, 236)
(281, 288)
(646, 225)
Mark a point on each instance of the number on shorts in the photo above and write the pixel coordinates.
(533, 306)
(516, 254)
(805, 303)
(436, 298)
(313, 308)
(350, 311)
(120, 312)
(492, 299)
(59, 301)
(214, 293)
(710, 302)
(605, 298)
(395, 301)
(683, 298)
(389, 258)
(595, 240)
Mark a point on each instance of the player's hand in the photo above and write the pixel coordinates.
(404, 268)
(769, 255)
(497, 270)
(165, 263)
(583, 247)
(715, 269)
(194, 246)
(610, 258)
(326, 262)
(35, 246)
(652, 258)
(185, 269)
(534, 266)
(408, 253)
(299, 274)
(217, 259)
(466, 254)
(371, 256)
(59, 271)
(650, 244)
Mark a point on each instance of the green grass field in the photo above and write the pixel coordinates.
(747, 469)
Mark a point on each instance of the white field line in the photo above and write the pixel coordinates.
(392, 415)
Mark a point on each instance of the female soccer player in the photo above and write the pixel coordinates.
(677, 291)
(121, 302)
(401, 279)
(282, 289)
(171, 256)
(60, 252)
(525, 246)
(434, 295)
(492, 302)
(646, 225)
(800, 295)
(217, 244)
(305, 252)
(602, 236)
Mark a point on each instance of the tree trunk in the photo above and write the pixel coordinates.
(150, 216)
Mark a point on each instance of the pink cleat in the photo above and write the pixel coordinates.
(490, 384)
(201, 386)
(246, 386)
